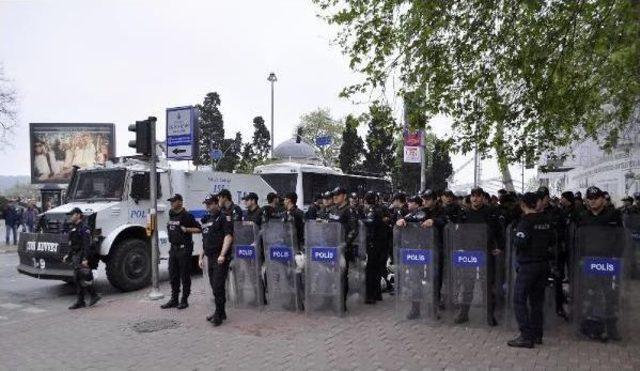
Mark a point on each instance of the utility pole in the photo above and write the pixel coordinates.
(155, 293)
(423, 162)
(272, 79)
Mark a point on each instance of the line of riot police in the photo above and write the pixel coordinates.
(473, 260)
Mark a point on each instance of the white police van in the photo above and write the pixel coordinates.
(115, 200)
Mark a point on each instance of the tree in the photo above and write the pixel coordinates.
(439, 167)
(520, 78)
(352, 150)
(7, 108)
(406, 176)
(231, 149)
(211, 128)
(257, 152)
(380, 156)
(319, 123)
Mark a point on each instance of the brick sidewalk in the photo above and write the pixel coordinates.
(368, 338)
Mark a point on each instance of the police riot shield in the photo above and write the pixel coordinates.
(600, 280)
(632, 225)
(325, 267)
(358, 266)
(468, 290)
(278, 238)
(416, 257)
(246, 266)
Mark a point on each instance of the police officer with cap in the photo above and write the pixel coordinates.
(533, 240)
(217, 236)
(253, 212)
(81, 254)
(180, 228)
(599, 214)
(327, 204)
(341, 213)
(376, 248)
(479, 213)
(314, 208)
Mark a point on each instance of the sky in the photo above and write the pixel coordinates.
(121, 61)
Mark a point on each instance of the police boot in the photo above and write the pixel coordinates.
(520, 342)
(217, 316)
(94, 296)
(415, 311)
(612, 331)
(463, 315)
(184, 303)
(78, 304)
(172, 303)
(79, 301)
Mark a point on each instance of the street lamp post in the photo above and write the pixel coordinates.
(272, 79)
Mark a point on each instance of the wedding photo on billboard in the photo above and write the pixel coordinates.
(56, 148)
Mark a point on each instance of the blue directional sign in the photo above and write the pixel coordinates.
(181, 129)
(216, 154)
(323, 141)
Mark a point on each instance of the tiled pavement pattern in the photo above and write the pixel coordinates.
(368, 338)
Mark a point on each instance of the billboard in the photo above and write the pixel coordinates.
(56, 148)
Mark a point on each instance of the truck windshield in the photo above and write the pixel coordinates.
(96, 185)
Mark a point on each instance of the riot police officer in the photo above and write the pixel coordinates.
(341, 213)
(479, 213)
(314, 208)
(295, 215)
(81, 255)
(272, 208)
(534, 238)
(600, 214)
(180, 228)
(376, 248)
(253, 212)
(217, 236)
(325, 207)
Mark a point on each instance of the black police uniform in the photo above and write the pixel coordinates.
(533, 241)
(80, 249)
(254, 215)
(215, 226)
(343, 215)
(180, 259)
(376, 248)
(312, 212)
(416, 216)
(438, 215)
(296, 216)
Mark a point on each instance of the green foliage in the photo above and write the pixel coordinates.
(231, 159)
(518, 77)
(380, 156)
(352, 150)
(211, 128)
(439, 166)
(406, 176)
(257, 152)
(320, 123)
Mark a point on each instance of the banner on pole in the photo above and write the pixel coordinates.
(412, 154)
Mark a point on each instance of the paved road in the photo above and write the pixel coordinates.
(38, 332)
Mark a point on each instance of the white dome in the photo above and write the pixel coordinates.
(289, 149)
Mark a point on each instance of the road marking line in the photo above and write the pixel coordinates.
(10, 306)
(33, 310)
(3, 318)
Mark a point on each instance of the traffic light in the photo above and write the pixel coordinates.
(144, 140)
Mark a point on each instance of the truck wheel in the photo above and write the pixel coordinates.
(129, 265)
